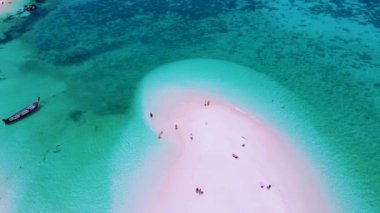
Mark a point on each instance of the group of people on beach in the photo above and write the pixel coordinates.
(199, 191)
(262, 185)
(162, 132)
(206, 103)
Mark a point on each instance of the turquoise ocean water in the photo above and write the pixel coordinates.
(86, 59)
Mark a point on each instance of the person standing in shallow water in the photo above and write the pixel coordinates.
(151, 115)
(30, 7)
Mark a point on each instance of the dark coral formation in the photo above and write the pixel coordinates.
(363, 11)
(20, 24)
(76, 115)
(73, 34)
(154, 32)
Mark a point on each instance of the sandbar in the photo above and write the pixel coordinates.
(225, 159)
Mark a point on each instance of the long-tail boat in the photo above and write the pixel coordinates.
(22, 113)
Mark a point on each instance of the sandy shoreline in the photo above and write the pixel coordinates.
(237, 162)
(4, 6)
(8, 7)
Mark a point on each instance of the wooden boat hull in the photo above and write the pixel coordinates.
(22, 113)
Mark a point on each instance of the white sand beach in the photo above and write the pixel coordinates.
(215, 151)
(238, 162)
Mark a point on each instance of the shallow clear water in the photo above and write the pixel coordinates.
(86, 60)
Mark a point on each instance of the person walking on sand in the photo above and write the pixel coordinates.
(262, 185)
